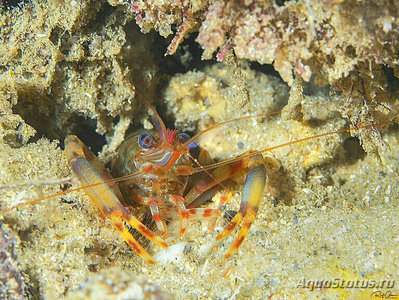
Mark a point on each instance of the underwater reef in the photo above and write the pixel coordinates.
(330, 208)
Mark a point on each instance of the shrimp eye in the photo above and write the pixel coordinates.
(184, 137)
(145, 140)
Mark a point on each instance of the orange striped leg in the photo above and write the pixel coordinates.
(191, 214)
(203, 213)
(251, 198)
(224, 198)
(153, 205)
(182, 210)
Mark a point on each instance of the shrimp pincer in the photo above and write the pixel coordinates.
(90, 170)
(251, 199)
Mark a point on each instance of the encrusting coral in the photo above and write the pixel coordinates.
(349, 45)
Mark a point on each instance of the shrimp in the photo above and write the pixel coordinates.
(155, 167)
(161, 164)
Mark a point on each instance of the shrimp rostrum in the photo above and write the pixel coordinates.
(155, 167)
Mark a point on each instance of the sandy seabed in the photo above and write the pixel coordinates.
(329, 214)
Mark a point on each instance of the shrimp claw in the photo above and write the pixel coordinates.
(251, 198)
(107, 196)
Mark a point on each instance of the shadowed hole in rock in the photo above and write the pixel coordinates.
(37, 110)
(281, 2)
(187, 57)
(40, 111)
(265, 69)
(392, 80)
(353, 151)
(11, 3)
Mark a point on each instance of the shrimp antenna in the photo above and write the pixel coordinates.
(108, 181)
(195, 137)
(308, 138)
(159, 125)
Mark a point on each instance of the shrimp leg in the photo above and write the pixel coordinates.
(107, 196)
(251, 199)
